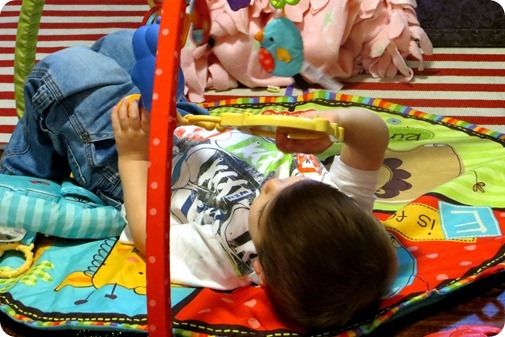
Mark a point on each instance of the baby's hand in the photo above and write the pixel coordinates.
(365, 141)
(131, 130)
(287, 141)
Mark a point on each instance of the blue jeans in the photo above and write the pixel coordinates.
(66, 125)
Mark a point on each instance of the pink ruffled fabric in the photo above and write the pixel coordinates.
(341, 37)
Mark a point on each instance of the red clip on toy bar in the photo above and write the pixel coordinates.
(158, 195)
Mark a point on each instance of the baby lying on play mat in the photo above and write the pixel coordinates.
(305, 234)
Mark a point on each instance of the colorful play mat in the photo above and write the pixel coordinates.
(441, 198)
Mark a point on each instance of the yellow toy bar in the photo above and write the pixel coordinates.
(263, 125)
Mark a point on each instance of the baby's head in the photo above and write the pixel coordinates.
(322, 257)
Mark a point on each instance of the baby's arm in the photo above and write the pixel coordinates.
(131, 131)
(365, 138)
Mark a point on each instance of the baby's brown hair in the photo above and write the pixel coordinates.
(324, 258)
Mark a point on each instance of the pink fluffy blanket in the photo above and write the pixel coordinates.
(340, 37)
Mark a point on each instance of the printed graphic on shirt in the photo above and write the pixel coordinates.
(214, 188)
(259, 152)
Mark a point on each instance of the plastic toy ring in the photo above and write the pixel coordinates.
(129, 98)
(27, 250)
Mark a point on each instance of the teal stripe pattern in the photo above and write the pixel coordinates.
(43, 206)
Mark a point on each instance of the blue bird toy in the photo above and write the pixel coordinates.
(281, 48)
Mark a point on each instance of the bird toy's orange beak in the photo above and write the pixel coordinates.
(259, 36)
